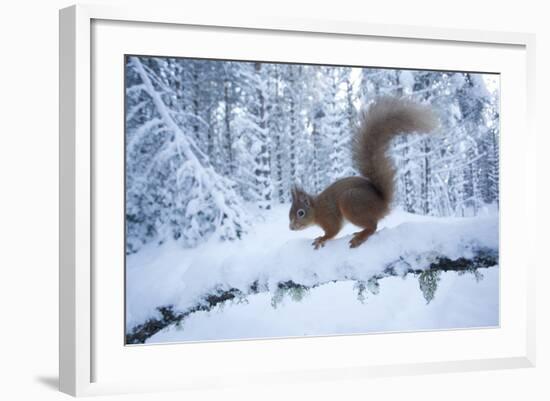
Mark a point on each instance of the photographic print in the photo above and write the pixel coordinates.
(273, 200)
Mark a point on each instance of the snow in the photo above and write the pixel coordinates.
(206, 136)
(460, 302)
(211, 144)
(271, 253)
(221, 206)
(406, 78)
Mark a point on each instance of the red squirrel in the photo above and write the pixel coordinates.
(362, 200)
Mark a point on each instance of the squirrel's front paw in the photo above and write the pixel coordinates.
(319, 242)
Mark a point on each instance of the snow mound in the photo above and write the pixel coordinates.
(169, 275)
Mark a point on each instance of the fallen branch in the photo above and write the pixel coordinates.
(480, 259)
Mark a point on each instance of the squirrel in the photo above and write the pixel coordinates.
(362, 200)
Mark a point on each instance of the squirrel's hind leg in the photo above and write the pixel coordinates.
(361, 207)
(361, 236)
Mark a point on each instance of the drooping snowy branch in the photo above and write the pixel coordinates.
(195, 201)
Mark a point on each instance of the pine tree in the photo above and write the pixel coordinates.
(173, 191)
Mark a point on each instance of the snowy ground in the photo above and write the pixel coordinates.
(169, 275)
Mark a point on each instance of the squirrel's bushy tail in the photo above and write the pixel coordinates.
(384, 119)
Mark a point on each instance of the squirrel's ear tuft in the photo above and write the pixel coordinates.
(301, 196)
(295, 191)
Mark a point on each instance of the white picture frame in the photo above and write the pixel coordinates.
(80, 340)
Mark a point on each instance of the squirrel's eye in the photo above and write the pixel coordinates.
(301, 213)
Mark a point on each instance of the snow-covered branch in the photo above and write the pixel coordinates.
(480, 259)
(419, 248)
(221, 211)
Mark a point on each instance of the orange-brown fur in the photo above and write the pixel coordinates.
(362, 200)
